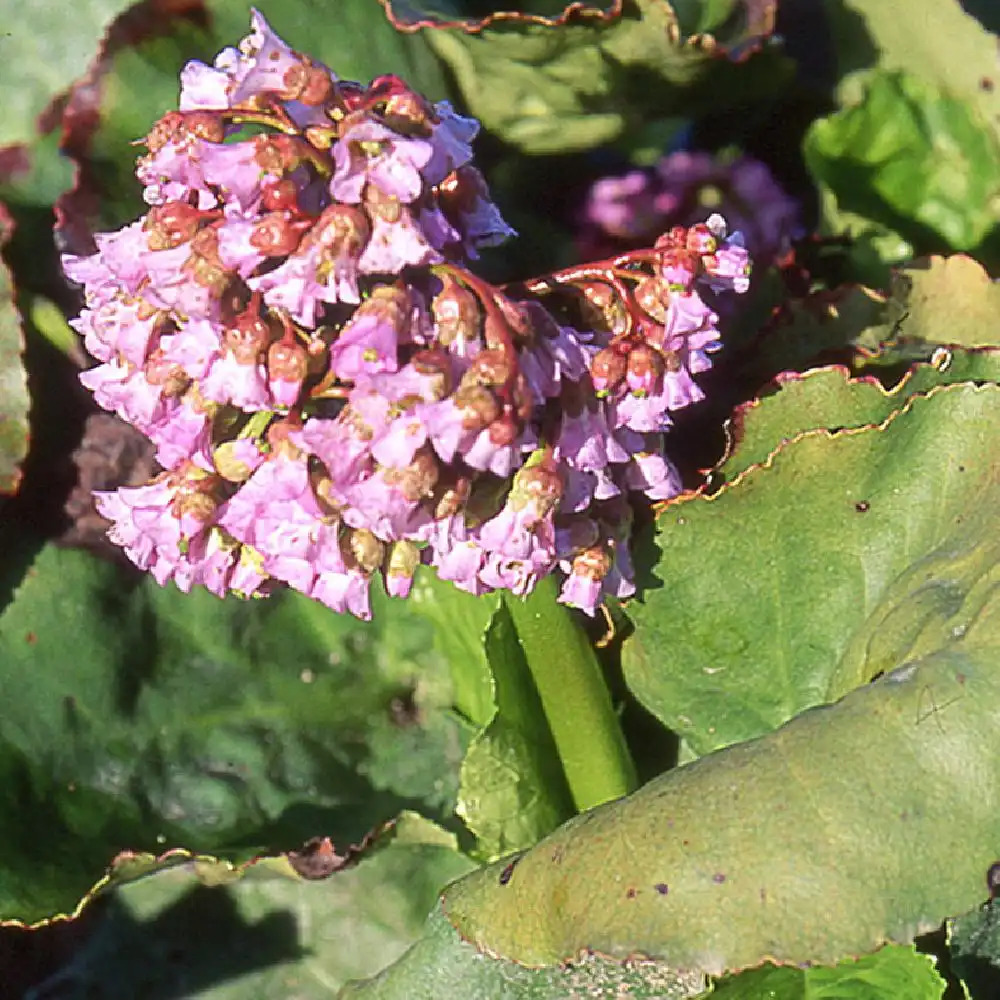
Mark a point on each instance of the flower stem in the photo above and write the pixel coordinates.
(574, 697)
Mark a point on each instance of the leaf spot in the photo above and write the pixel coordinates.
(662, 888)
(508, 871)
(630, 893)
(862, 506)
(993, 879)
(718, 878)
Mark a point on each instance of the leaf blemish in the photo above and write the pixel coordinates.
(718, 878)
(993, 879)
(662, 888)
(862, 506)
(508, 871)
(630, 893)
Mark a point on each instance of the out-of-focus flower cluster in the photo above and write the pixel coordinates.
(630, 210)
(332, 394)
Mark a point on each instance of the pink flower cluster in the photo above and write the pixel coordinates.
(332, 394)
(630, 210)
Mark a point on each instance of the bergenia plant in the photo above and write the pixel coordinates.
(405, 607)
(332, 391)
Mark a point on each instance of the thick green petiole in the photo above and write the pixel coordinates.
(574, 697)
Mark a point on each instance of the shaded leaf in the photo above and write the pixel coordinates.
(13, 380)
(138, 717)
(459, 621)
(201, 927)
(842, 556)
(513, 790)
(46, 45)
(890, 972)
(974, 943)
(442, 964)
(579, 80)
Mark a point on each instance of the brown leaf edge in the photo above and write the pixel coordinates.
(759, 18)
(314, 861)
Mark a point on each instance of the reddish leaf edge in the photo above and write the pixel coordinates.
(760, 23)
(316, 860)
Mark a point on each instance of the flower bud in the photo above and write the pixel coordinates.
(367, 550)
(171, 224)
(236, 460)
(247, 337)
(276, 235)
(645, 369)
(607, 370)
(401, 565)
(306, 82)
(478, 407)
(456, 313)
(287, 366)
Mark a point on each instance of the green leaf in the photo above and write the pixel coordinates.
(943, 300)
(907, 161)
(13, 380)
(974, 943)
(140, 82)
(844, 555)
(45, 45)
(889, 972)
(937, 41)
(572, 84)
(824, 839)
(829, 398)
(203, 928)
(459, 621)
(138, 717)
(513, 790)
(443, 964)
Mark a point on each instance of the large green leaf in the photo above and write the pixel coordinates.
(935, 39)
(443, 964)
(574, 82)
(910, 163)
(894, 971)
(823, 839)
(13, 381)
(843, 555)
(829, 398)
(907, 158)
(138, 717)
(262, 931)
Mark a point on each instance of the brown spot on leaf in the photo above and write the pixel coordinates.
(862, 506)
(31, 638)
(993, 879)
(718, 878)
(317, 859)
(630, 893)
(508, 871)
(662, 888)
(986, 84)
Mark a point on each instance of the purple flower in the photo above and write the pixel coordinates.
(370, 153)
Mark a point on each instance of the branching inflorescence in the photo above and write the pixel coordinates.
(333, 394)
